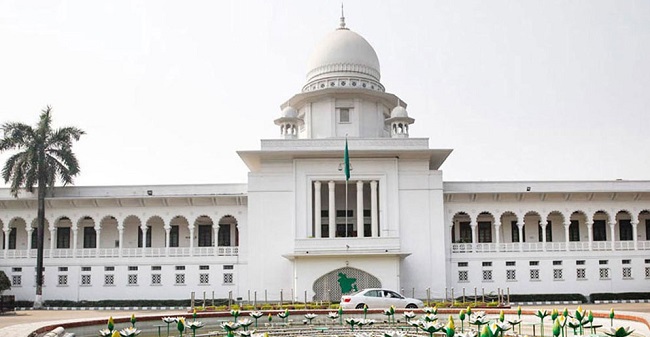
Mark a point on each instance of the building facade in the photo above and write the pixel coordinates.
(300, 230)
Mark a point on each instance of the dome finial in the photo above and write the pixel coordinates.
(342, 24)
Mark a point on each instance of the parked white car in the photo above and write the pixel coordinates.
(378, 298)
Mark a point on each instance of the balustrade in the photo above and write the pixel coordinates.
(579, 246)
(149, 252)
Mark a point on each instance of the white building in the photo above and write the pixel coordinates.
(297, 227)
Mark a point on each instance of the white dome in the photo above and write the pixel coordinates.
(289, 112)
(398, 111)
(343, 51)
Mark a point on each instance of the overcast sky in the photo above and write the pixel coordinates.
(168, 91)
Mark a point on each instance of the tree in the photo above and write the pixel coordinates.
(43, 155)
(4, 282)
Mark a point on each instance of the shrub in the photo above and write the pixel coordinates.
(618, 296)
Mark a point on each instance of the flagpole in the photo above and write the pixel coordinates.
(346, 208)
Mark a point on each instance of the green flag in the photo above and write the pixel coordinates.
(346, 160)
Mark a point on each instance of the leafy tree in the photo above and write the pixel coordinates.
(4, 282)
(43, 155)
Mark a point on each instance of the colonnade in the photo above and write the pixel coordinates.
(331, 215)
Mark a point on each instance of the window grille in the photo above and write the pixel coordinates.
(627, 272)
(204, 278)
(155, 279)
(511, 275)
(133, 279)
(487, 275)
(180, 278)
(85, 280)
(227, 278)
(557, 274)
(604, 273)
(581, 274)
(17, 280)
(534, 274)
(462, 276)
(109, 279)
(63, 280)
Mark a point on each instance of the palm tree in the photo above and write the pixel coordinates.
(44, 154)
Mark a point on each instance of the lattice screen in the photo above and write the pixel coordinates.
(327, 287)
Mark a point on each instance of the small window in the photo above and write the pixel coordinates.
(204, 278)
(156, 268)
(180, 279)
(603, 261)
(534, 274)
(580, 262)
(533, 263)
(204, 267)
(85, 268)
(647, 261)
(581, 274)
(511, 275)
(227, 278)
(85, 280)
(155, 279)
(109, 268)
(487, 264)
(109, 279)
(510, 263)
(463, 276)
(557, 263)
(133, 268)
(627, 273)
(63, 268)
(228, 267)
(16, 269)
(604, 273)
(16, 280)
(180, 267)
(647, 272)
(557, 274)
(133, 279)
(626, 262)
(63, 280)
(463, 264)
(487, 275)
(344, 116)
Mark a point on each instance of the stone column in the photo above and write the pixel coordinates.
(543, 224)
(473, 225)
(98, 232)
(75, 239)
(634, 233)
(6, 230)
(497, 230)
(120, 240)
(332, 209)
(52, 240)
(317, 210)
(612, 231)
(374, 216)
(168, 231)
(520, 228)
(191, 228)
(566, 235)
(215, 235)
(143, 229)
(29, 229)
(590, 232)
(360, 209)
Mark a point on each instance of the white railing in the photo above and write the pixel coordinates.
(149, 252)
(574, 246)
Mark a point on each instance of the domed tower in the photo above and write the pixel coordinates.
(289, 123)
(343, 95)
(399, 122)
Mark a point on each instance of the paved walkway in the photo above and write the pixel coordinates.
(22, 323)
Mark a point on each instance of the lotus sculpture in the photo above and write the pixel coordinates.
(129, 332)
(310, 317)
(245, 323)
(619, 332)
(256, 315)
